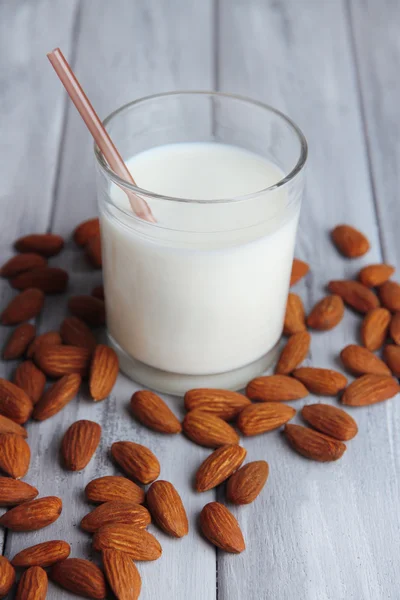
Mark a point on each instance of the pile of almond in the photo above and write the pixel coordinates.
(215, 418)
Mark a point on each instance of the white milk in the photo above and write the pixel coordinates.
(204, 290)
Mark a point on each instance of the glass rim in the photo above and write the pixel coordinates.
(256, 103)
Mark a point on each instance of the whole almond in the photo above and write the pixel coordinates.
(14, 403)
(75, 332)
(32, 515)
(326, 314)
(293, 353)
(208, 430)
(263, 417)
(152, 411)
(221, 403)
(275, 388)
(9, 426)
(18, 341)
(46, 244)
(299, 270)
(7, 576)
(21, 263)
(14, 491)
(219, 466)
(50, 338)
(42, 555)
(57, 396)
(245, 485)
(394, 328)
(80, 577)
(51, 280)
(137, 461)
(32, 585)
(30, 379)
(104, 369)
(166, 507)
(122, 574)
(313, 444)
(359, 361)
(221, 528)
(113, 487)
(374, 328)
(135, 541)
(294, 316)
(349, 241)
(369, 389)
(98, 292)
(321, 381)
(57, 361)
(354, 294)
(116, 511)
(23, 307)
(15, 455)
(374, 275)
(93, 252)
(389, 294)
(391, 355)
(89, 309)
(331, 420)
(86, 230)
(79, 443)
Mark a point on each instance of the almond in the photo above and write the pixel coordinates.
(389, 294)
(57, 396)
(394, 328)
(9, 426)
(50, 338)
(30, 379)
(79, 443)
(313, 444)
(86, 230)
(152, 411)
(13, 491)
(275, 388)
(294, 316)
(74, 332)
(221, 403)
(260, 418)
(221, 528)
(208, 430)
(21, 263)
(299, 270)
(369, 389)
(93, 251)
(294, 353)
(32, 585)
(349, 241)
(80, 577)
(321, 381)
(7, 576)
(137, 461)
(46, 244)
(326, 314)
(374, 328)
(331, 420)
(23, 307)
(374, 275)
(219, 466)
(355, 294)
(391, 355)
(122, 574)
(51, 280)
(116, 511)
(359, 361)
(113, 487)
(103, 372)
(32, 515)
(167, 509)
(18, 341)
(42, 555)
(57, 361)
(14, 403)
(98, 292)
(89, 309)
(245, 485)
(135, 541)
(15, 455)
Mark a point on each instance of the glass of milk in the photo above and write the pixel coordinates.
(197, 299)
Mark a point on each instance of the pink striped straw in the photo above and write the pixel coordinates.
(97, 129)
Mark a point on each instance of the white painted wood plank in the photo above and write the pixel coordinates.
(317, 531)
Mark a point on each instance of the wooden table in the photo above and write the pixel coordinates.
(318, 531)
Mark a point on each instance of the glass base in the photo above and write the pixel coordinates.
(178, 385)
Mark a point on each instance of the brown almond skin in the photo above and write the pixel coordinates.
(394, 328)
(389, 294)
(221, 528)
(151, 410)
(32, 515)
(391, 355)
(57, 361)
(98, 292)
(136, 460)
(14, 403)
(350, 241)
(18, 341)
(321, 381)
(167, 510)
(93, 252)
(245, 485)
(275, 388)
(9, 426)
(314, 445)
(7, 576)
(326, 314)
(135, 541)
(80, 577)
(295, 316)
(374, 328)
(32, 585)
(354, 294)
(299, 270)
(50, 338)
(104, 370)
(221, 403)
(57, 396)
(331, 420)
(375, 275)
(370, 389)
(42, 555)
(79, 444)
(359, 361)
(264, 417)
(86, 230)
(74, 332)
(21, 263)
(51, 280)
(30, 379)
(14, 492)
(122, 574)
(208, 430)
(46, 244)
(23, 307)
(15, 455)
(219, 466)
(91, 310)
(113, 487)
(293, 353)
(116, 511)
